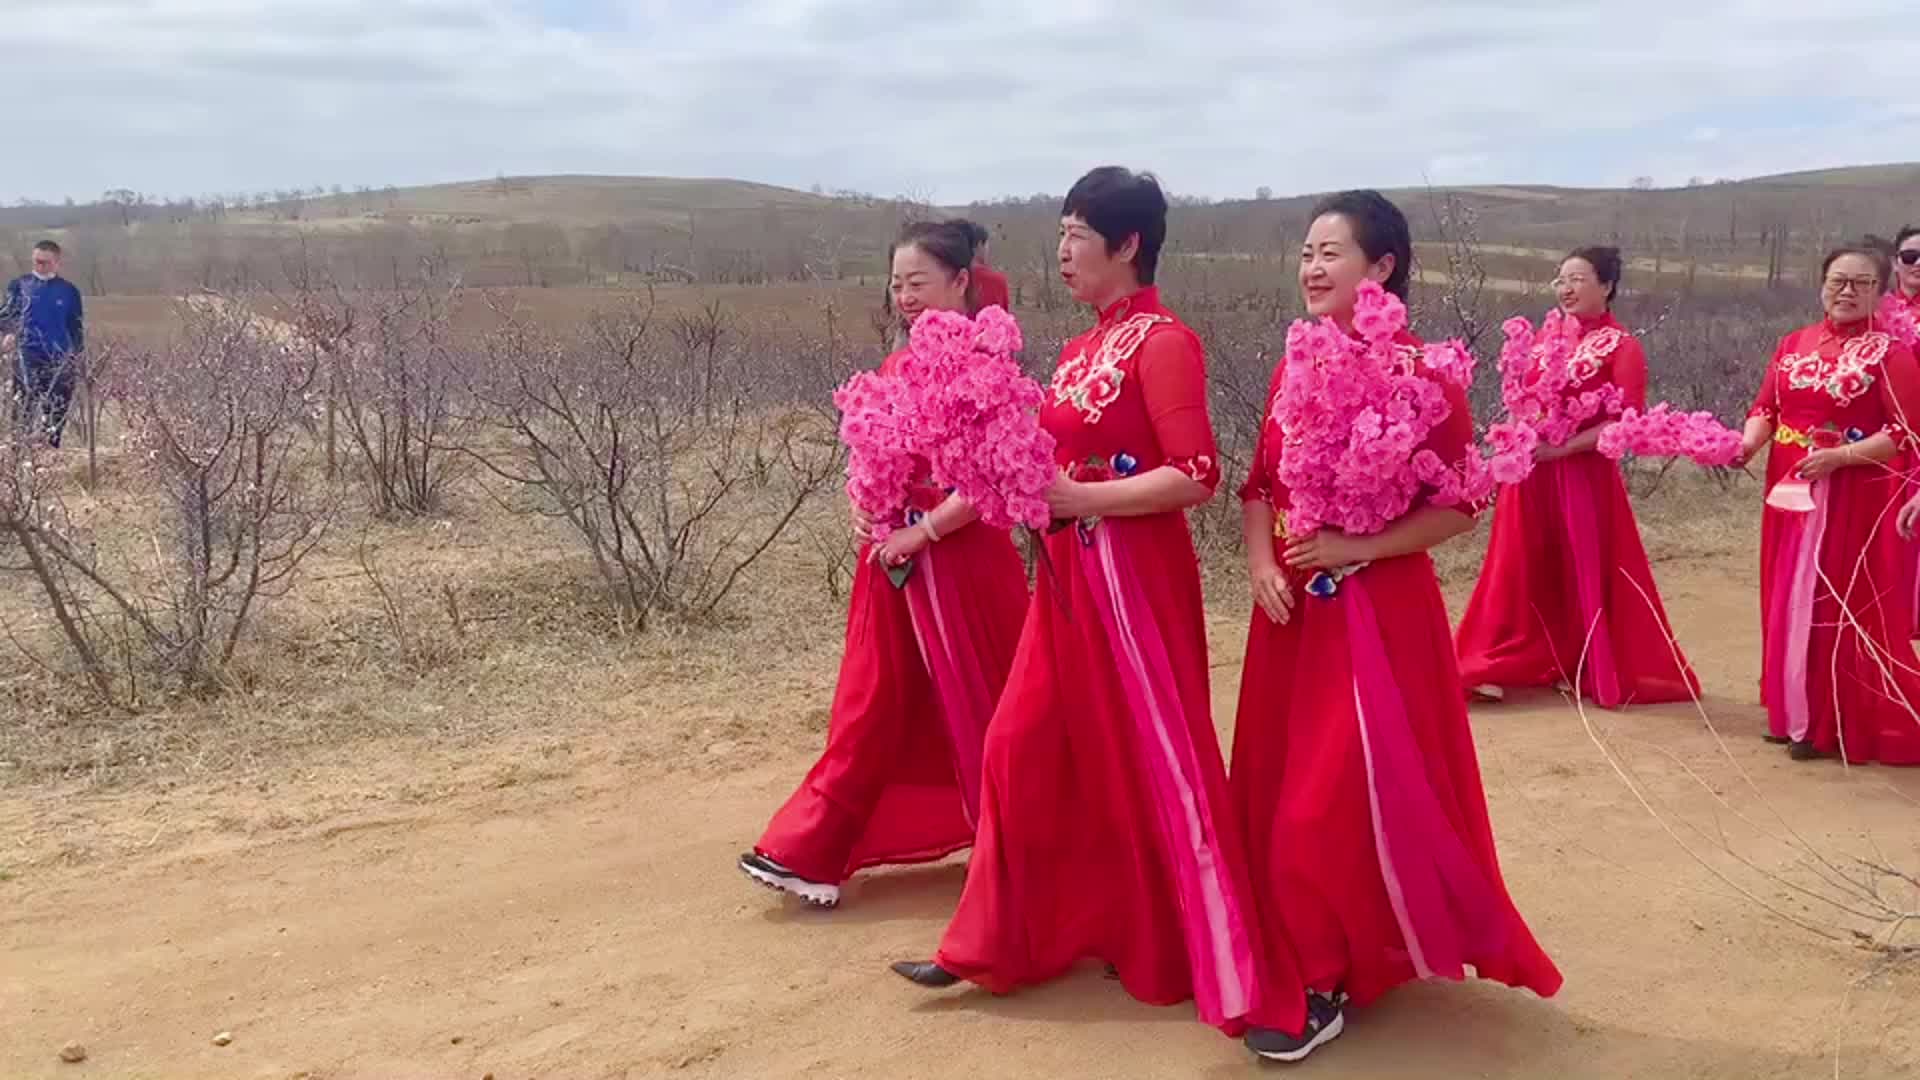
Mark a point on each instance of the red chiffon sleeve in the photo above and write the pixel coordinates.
(1452, 438)
(1630, 373)
(1767, 404)
(1173, 381)
(1258, 486)
(1900, 392)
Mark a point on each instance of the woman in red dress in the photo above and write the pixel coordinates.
(1566, 588)
(1906, 275)
(1354, 776)
(1838, 403)
(924, 664)
(1104, 832)
(989, 285)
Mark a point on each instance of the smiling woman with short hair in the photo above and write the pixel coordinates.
(1104, 827)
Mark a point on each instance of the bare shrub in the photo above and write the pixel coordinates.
(214, 424)
(39, 543)
(676, 485)
(212, 432)
(393, 381)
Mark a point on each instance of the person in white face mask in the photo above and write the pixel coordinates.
(42, 322)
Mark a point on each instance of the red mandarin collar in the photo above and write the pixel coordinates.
(1831, 331)
(1148, 297)
(1604, 320)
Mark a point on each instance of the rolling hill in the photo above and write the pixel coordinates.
(588, 230)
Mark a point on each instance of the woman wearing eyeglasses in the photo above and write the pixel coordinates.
(1839, 403)
(1907, 274)
(1567, 594)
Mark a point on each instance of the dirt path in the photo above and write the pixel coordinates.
(587, 922)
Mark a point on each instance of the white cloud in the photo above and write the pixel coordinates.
(964, 100)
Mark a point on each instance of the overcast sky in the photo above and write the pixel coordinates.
(954, 100)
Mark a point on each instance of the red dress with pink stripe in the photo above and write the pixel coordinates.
(1567, 591)
(1838, 669)
(1913, 488)
(899, 780)
(1355, 780)
(1104, 825)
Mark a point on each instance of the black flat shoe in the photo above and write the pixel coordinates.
(925, 973)
(1804, 751)
(1777, 740)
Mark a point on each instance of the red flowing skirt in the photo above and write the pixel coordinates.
(1567, 589)
(1912, 564)
(1357, 788)
(1839, 669)
(898, 781)
(1104, 828)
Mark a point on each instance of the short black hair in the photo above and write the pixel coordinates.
(1871, 248)
(1606, 266)
(1907, 232)
(47, 246)
(1118, 202)
(1379, 228)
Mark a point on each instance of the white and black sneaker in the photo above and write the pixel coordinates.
(774, 876)
(1326, 1019)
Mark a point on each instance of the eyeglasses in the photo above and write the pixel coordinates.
(1910, 257)
(1571, 281)
(1837, 285)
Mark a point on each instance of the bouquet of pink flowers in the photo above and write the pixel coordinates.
(1897, 318)
(1666, 432)
(879, 424)
(1536, 375)
(957, 412)
(1355, 416)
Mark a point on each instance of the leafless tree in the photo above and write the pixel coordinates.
(674, 487)
(213, 435)
(215, 423)
(392, 370)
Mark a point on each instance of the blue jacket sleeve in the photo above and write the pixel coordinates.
(76, 325)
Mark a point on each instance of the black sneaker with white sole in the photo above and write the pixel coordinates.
(1326, 1019)
(774, 876)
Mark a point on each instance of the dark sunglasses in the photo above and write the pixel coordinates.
(1910, 257)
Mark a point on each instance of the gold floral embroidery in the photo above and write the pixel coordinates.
(1092, 384)
(1845, 377)
(1592, 351)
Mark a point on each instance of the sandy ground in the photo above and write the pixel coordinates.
(560, 907)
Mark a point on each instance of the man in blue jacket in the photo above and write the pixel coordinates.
(41, 317)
